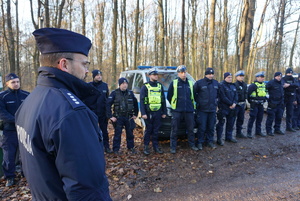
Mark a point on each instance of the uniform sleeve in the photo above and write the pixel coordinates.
(170, 92)
(143, 95)
(79, 157)
(109, 103)
(224, 98)
(107, 91)
(135, 105)
(195, 90)
(251, 89)
(4, 114)
(163, 101)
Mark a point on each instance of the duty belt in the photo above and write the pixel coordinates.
(241, 103)
(258, 101)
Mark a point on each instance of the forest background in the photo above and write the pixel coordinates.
(227, 35)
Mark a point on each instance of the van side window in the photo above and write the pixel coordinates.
(138, 81)
(129, 77)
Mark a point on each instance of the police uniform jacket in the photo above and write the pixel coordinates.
(184, 101)
(241, 88)
(206, 94)
(276, 94)
(228, 95)
(290, 92)
(144, 93)
(99, 107)
(10, 100)
(111, 100)
(60, 140)
(298, 92)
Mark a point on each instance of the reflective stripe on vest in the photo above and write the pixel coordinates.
(260, 91)
(174, 97)
(154, 97)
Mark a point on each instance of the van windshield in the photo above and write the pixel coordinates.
(167, 77)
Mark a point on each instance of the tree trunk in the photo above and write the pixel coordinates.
(182, 57)
(18, 71)
(248, 36)
(294, 44)
(47, 13)
(135, 49)
(11, 40)
(211, 34)
(161, 33)
(114, 41)
(60, 11)
(225, 37)
(194, 38)
(83, 17)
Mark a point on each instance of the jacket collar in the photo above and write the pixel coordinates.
(53, 77)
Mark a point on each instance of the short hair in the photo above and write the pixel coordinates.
(51, 59)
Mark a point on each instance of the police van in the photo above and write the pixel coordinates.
(166, 74)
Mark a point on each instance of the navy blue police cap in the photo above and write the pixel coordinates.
(53, 40)
(10, 76)
(226, 74)
(209, 71)
(289, 70)
(122, 80)
(277, 74)
(96, 72)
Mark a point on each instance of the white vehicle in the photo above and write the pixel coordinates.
(166, 74)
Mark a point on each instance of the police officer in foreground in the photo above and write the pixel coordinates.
(256, 97)
(296, 116)
(289, 97)
(181, 97)
(241, 88)
(59, 137)
(206, 92)
(153, 109)
(275, 104)
(227, 109)
(100, 106)
(10, 101)
(125, 111)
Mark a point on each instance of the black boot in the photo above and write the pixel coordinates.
(146, 150)
(158, 150)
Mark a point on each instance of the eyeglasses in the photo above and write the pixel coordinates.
(86, 64)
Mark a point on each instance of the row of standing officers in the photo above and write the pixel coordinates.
(208, 100)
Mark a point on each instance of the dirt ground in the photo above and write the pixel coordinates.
(262, 168)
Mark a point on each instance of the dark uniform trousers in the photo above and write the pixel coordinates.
(296, 116)
(129, 126)
(153, 123)
(256, 114)
(9, 146)
(229, 116)
(103, 126)
(274, 113)
(289, 106)
(240, 115)
(206, 124)
(189, 123)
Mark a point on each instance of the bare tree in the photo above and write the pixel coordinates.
(10, 39)
(83, 17)
(194, 37)
(114, 41)
(182, 56)
(136, 31)
(294, 43)
(161, 55)
(211, 33)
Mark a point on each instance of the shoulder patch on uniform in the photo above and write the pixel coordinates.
(75, 102)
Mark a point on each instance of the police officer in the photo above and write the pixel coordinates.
(59, 137)
(125, 110)
(153, 109)
(289, 97)
(227, 109)
(275, 104)
(256, 96)
(206, 92)
(241, 88)
(181, 97)
(100, 106)
(296, 116)
(10, 100)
